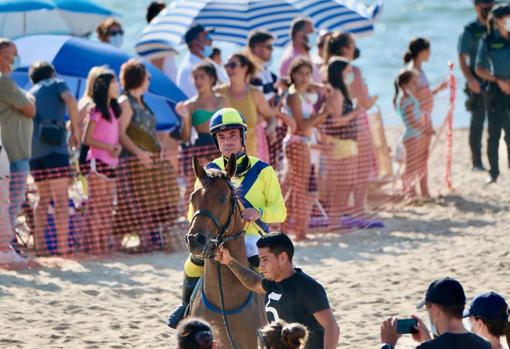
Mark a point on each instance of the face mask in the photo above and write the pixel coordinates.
(117, 40)
(349, 78)
(467, 324)
(15, 63)
(433, 329)
(357, 53)
(312, 40)
(207, 51)
(269, 62)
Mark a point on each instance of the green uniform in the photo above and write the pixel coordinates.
(468, 45)
(494, 56)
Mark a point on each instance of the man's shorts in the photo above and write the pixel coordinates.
(52, 166)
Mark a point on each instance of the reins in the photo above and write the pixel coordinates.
(219, 241)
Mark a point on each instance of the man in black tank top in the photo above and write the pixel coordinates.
(291, 295)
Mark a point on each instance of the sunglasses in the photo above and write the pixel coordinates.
(116, 32)
(268, 47)
(231, 65)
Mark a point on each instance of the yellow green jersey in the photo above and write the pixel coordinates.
(258, 187)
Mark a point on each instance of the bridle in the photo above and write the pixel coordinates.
(213, 244)
(220, 239)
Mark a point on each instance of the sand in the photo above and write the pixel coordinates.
(122, 302)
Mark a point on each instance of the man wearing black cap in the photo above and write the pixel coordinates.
(468, 47)
(199, 42)
(444, 301)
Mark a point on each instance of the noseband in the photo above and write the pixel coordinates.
(210, 250)
(221, 238)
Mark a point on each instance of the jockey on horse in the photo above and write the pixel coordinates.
(258, 189)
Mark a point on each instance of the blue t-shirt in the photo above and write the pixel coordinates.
(51, 109)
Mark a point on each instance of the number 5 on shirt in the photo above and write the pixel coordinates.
(276, 297)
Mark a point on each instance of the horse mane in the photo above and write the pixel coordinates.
(215, 174)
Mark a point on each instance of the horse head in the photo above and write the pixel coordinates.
(215, 208)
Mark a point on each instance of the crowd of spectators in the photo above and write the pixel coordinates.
(309, 120)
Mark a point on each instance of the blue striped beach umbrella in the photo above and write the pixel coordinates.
(234, 19)
(73, 58)
(28, 17)
(343, 15)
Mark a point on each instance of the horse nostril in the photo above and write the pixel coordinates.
(186, 238)
(201, 239)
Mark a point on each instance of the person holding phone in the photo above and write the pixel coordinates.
(444, 301)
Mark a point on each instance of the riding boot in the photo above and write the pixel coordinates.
(188, 286)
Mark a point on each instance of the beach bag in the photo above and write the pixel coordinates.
(142, 139)
(51, 132)
(342, 148)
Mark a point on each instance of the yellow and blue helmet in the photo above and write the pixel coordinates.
(228, 119)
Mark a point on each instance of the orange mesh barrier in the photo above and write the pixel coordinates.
(329, 184)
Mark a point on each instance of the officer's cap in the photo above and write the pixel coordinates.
(501, 10)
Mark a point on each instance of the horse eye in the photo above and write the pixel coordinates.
(223, 199)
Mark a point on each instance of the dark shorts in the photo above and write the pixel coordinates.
(176, 133)
(102, 169)
(84, 163)
(48, 167)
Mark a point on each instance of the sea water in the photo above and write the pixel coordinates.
(381, 52)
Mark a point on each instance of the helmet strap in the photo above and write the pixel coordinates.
(242, 164)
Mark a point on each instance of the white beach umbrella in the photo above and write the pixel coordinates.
(28, 17)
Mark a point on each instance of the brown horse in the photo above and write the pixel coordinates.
(217, 221)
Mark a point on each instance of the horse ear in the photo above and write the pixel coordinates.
(231, 166)
(199, 170)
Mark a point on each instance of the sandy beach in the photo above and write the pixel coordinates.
(122, 301)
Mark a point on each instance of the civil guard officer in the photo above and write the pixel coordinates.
(468, 48)
(493, 66)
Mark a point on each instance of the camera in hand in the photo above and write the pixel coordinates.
(405, 326)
